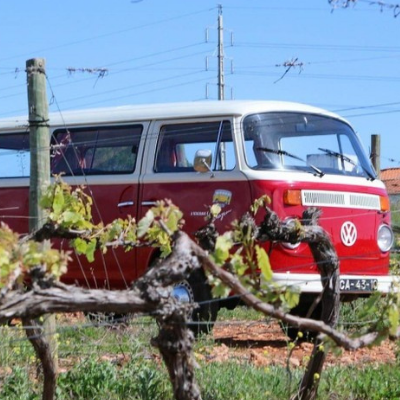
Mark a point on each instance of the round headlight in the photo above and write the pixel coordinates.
(385, 238)
(291, 222)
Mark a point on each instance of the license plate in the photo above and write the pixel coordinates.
(358, 285)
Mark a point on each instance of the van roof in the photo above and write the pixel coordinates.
(165, 111)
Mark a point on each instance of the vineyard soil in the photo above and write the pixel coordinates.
(264, 344)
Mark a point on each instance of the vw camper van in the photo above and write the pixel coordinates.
(129, 157)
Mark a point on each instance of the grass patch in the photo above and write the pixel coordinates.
(368, 383)
(220, 381)
(142, 379)
(138, 379)
(118, 362)
(240, 313)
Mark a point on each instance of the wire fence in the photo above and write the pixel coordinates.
(68, 324)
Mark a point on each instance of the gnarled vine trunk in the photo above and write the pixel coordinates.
(328, 265)
(41, 345)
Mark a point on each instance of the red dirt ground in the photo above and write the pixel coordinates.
(264, 344)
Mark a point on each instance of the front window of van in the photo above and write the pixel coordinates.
(178, 144)
(304, 142)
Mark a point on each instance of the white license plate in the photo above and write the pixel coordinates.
(358, 285)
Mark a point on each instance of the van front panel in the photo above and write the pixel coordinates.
(353, 229)
(303, 160)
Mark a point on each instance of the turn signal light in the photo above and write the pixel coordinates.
(292, 197)
(385, 204)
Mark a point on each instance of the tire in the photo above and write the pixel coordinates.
(197, 290)
(302, 310)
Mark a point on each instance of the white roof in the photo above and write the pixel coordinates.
(166, 111)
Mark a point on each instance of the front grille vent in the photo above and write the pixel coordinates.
(325, 198)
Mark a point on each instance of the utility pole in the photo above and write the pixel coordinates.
(221, 83)
(376, 153)
(40, 165)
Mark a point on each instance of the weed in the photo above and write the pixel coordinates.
(16, 386)
(240, 313)
(368, 383)
(246, 382)
(89, 379)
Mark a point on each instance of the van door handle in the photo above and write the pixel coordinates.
(148, 203)
(126, 204)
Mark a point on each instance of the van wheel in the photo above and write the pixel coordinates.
(197, 290)
(302, 310)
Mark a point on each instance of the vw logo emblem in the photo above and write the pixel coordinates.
(348, 233)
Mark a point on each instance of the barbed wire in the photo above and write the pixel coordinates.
(395, 7)
(393, 160)
(293, 63)
(122, 324)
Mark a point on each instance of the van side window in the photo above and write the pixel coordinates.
(14, 155)
(95, 151)
(178, 143)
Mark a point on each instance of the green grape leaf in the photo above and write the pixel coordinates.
(91, 247)
(173, 220)
(80, 245)
(222, 247)
(238, 265)
(71, 217)
(219, 289)
(116, 229)
(291, 298)
(58, 200)
(393, 315)
(145, 223)
(4, 257)
(263, 263)
(215, 209)
(260, 202)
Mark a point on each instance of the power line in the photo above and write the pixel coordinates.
(370, 106)
(372, 113)
(338, 61)
(329, 47)
(146, 25)
(307, 75)
(124, 88)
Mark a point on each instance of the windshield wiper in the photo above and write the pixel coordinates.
(347, 159)
(285, 153)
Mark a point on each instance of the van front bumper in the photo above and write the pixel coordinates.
(349, 284)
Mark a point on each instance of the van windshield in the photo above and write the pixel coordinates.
(304, 142)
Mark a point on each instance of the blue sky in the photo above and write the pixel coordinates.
(156, 51)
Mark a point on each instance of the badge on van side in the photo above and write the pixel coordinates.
(222, 197)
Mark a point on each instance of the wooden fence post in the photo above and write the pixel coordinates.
(39, 140)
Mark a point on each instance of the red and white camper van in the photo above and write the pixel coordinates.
(131, 156)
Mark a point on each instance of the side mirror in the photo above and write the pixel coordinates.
(202, 161)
